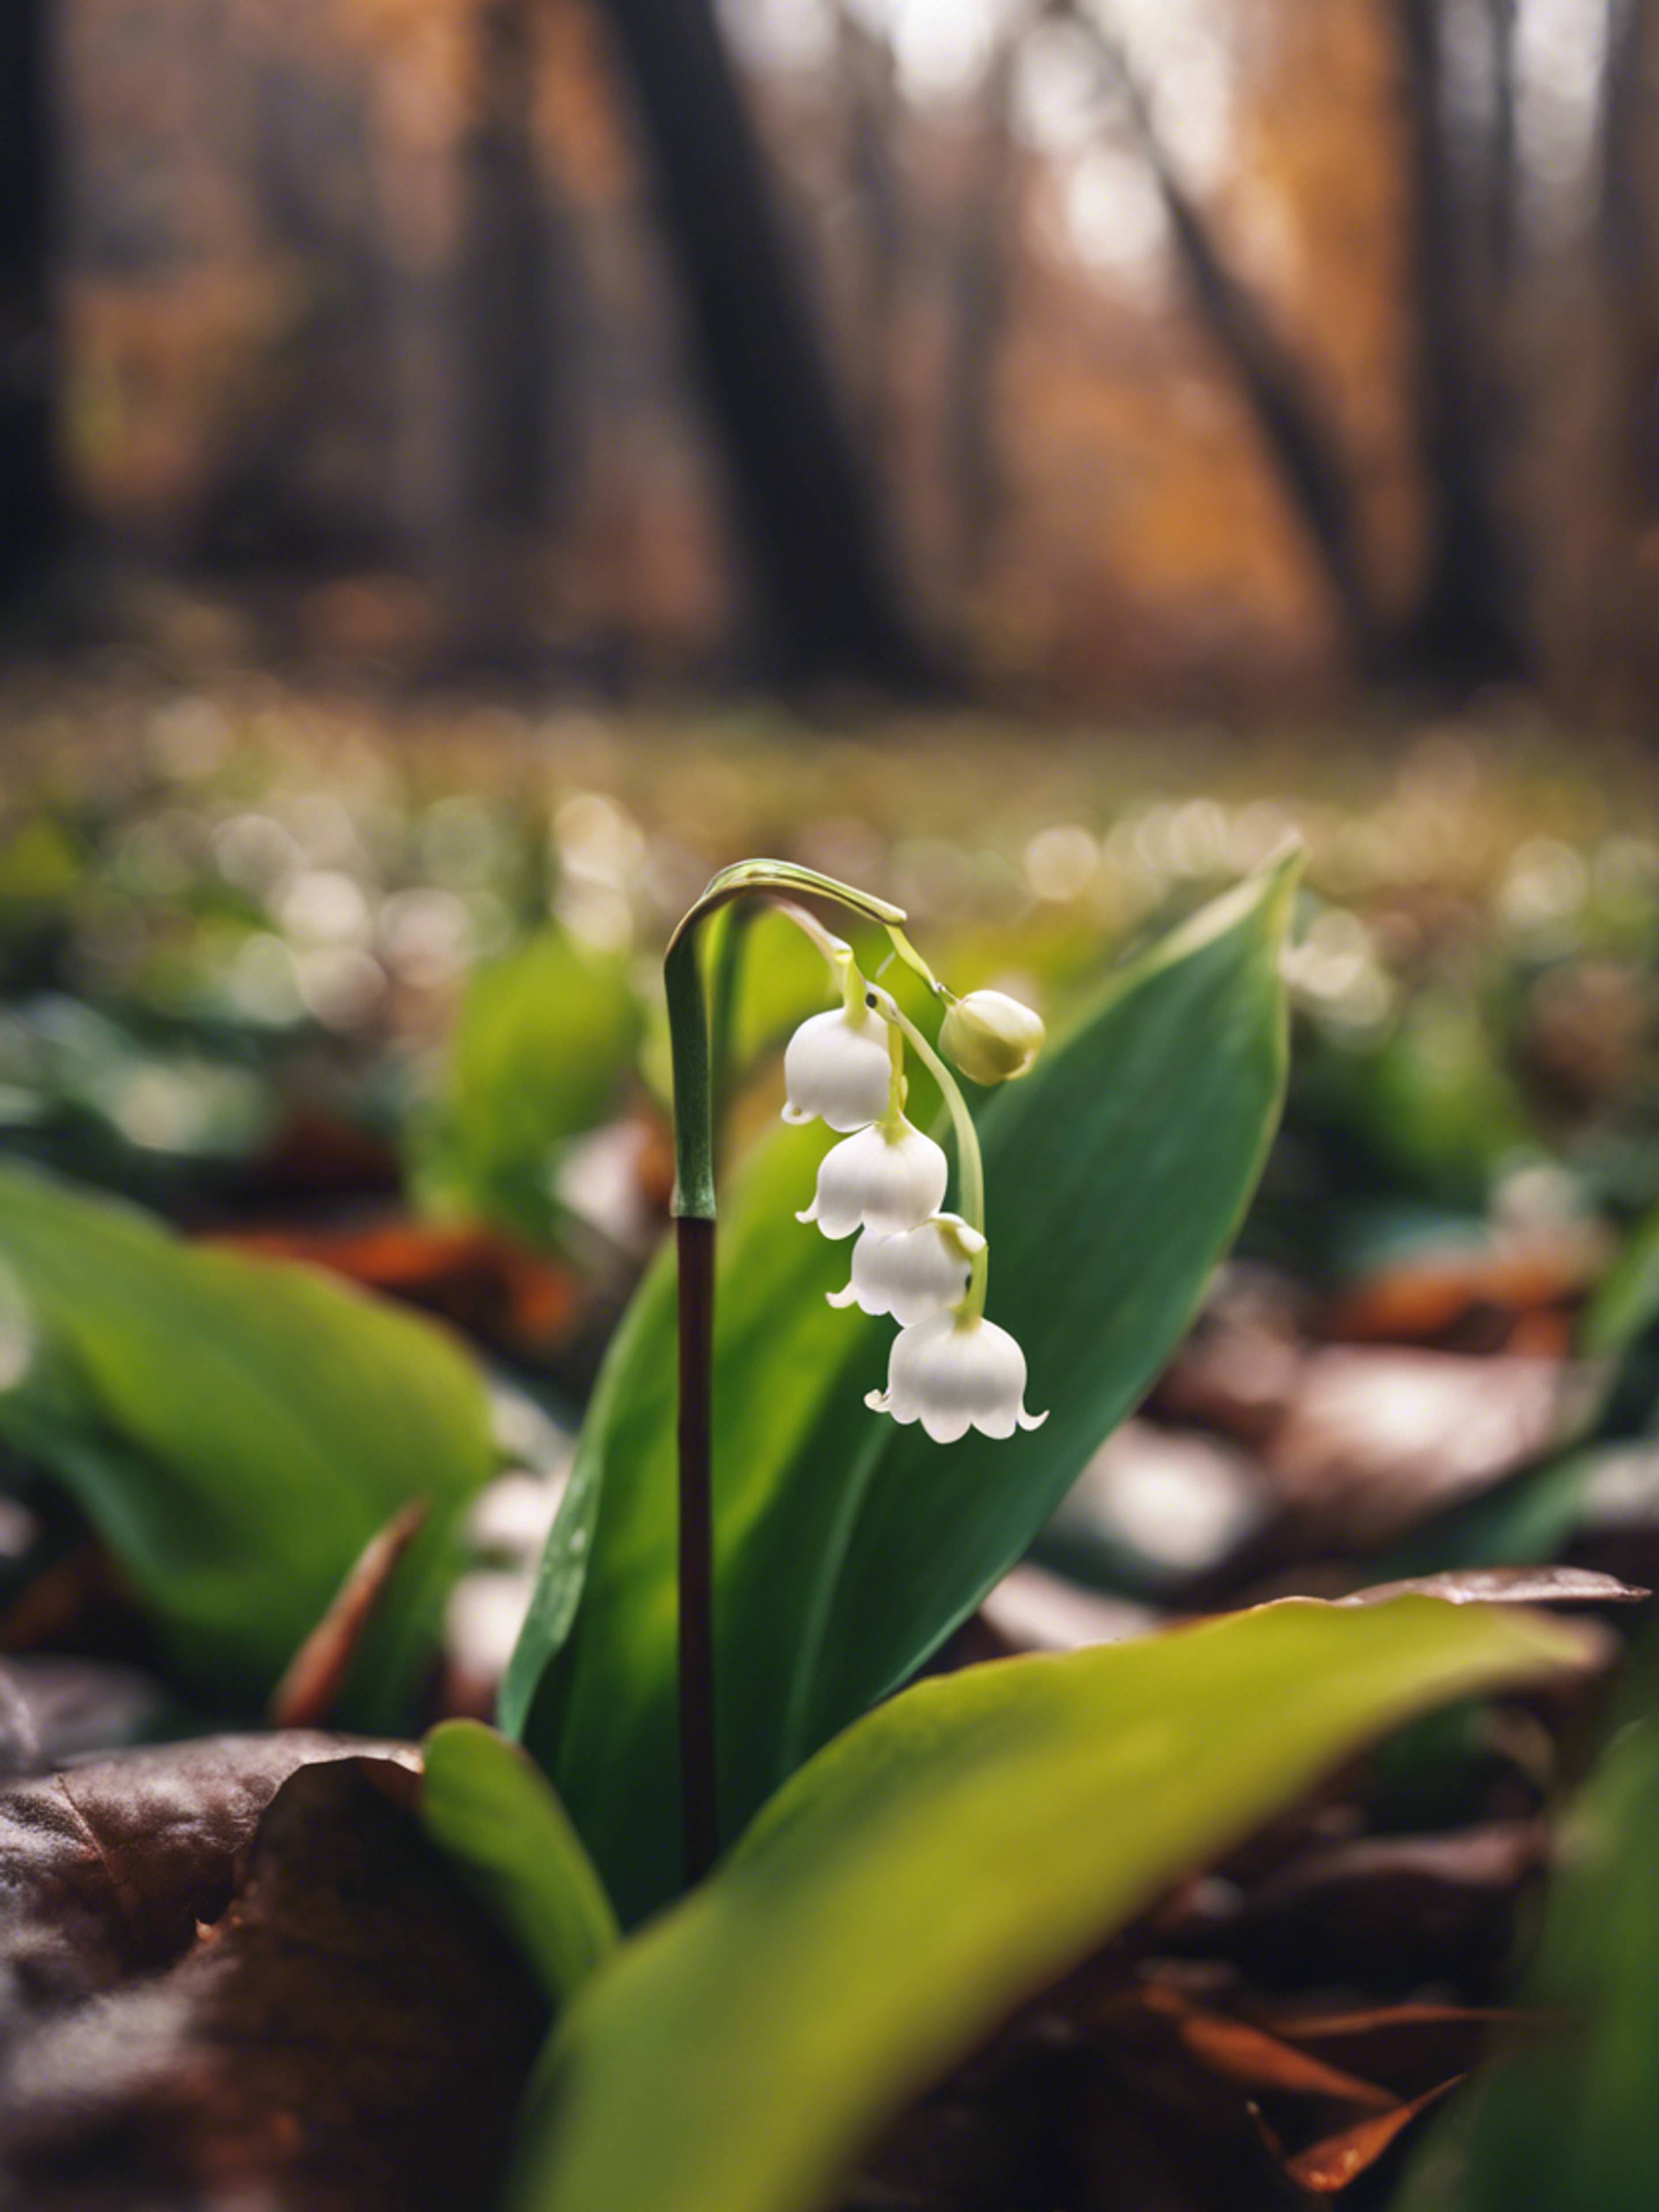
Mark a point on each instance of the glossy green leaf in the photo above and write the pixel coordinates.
(1571, 2123)
(485, 1804)
(237, 1428)
(545, 1042)
(943, 1861)
(848, 1547)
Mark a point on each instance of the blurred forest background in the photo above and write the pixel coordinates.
(1201, 355)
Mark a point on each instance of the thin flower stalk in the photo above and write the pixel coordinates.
(950, 1368)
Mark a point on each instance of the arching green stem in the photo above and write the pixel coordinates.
(725, 979)
(688, 1013)
(782, 882)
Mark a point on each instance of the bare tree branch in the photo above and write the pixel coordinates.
(1303, 447)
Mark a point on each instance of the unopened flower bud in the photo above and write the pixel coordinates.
(991, 1037)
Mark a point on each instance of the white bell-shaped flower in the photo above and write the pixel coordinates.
(954, 1373)
(887, 1178)
(838, 1069)
(914, 1274)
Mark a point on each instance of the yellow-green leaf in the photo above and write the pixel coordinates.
(496, 1814)
(946, 1859)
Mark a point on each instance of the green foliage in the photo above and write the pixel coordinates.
(943, 1861)
(545, 1042)
(493, 1812)
(1567, 2124)
(848, 1547)
(1431, 1110)
(1620, 1327)
(237, 1430)
(1626, 1306)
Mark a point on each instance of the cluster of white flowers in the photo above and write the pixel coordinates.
(950, 1368)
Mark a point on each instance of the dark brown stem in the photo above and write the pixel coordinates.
(698, 1784)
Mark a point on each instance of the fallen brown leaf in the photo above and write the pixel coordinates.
(54, 1709)
(1331, 2164)
(1456, 1290)
(1386, 1913)
(1375, 1440)
(109, 1867)
(482, 1281)
(1507, 1586)
(1257, 2060)
(1408, 2048)
(350, 2037)
(309, 1690)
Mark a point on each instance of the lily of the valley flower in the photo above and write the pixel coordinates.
(916, 1274)
(991, 1037)
(955, 1372)
(889, 1177)
(950, 1368)
(838, 1069)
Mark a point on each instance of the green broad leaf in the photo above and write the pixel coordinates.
(847, 1547)
(1571, 2123)
(237, 1430)
(1626, 1306)
(484, 1803)
(945, 1860)
(546, 1041)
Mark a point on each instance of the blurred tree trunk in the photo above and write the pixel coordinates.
(1468, 627)
(1629, 269)
(283, 493)
(1502, 167)
(30, 509)
(508, 254)
(511, 261)
(1300, 443)
(864, 59)
(980, 295)
(1627, 253)
(821, 569)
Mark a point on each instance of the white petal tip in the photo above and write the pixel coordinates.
(849, 1297)
(1032, 1420)
(877, 1401)
(810, 1213)
(796, 1116)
